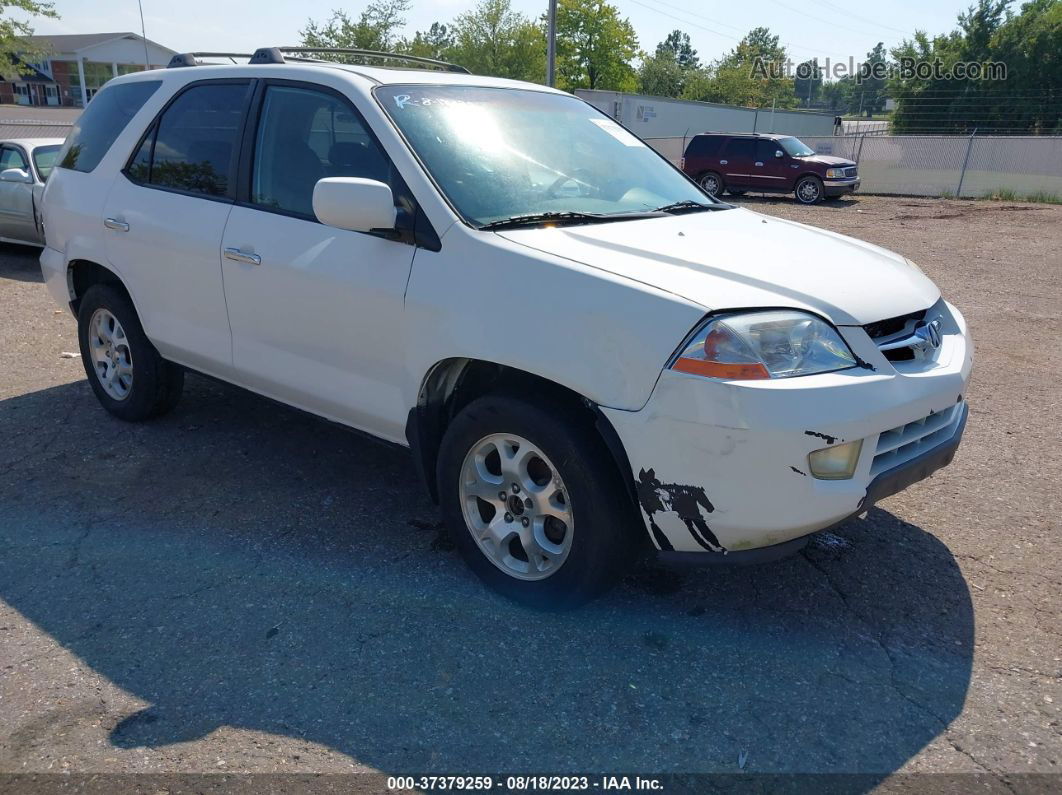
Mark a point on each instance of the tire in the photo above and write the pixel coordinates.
(600, 535)
(809, 190)
(708, 179)
(108, 330)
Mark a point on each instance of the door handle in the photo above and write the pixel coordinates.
(116, 225)
(722, 162)
(241, 256)
(759, 163)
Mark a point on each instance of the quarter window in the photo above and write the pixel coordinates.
(192, 145)
(102, 122)
(306, 135)
(704, 146)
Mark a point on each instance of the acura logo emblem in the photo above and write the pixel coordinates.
(929, 334)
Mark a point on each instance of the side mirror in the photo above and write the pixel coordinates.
(15, 175)
(360, 205)
(779, 153)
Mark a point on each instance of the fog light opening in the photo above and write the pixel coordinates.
(837, 462)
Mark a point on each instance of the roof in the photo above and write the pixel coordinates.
(73, 42)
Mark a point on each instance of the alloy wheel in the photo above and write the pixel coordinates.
(112, 360)
(516, 506)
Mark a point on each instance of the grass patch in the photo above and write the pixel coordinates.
(1008, 195)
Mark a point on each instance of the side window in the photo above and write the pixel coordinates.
(704, 146)
(741, 147)
(191, 146)
(11, 158)
(102, 122)
(765, 149)
(303, 136)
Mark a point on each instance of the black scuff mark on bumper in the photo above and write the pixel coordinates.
(689, 502)
(865, 365)
(799, 471)
(825, 436)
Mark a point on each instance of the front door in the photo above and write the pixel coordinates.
(769, 170)
(17, 221)
(316, 312)
(164, 219)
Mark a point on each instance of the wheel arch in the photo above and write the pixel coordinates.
(81, 274)
(453, 383)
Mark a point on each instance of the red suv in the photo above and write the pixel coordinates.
(767, 163)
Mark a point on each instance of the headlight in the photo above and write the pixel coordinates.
(835, 173)
(768, 344)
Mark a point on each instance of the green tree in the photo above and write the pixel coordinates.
(376, 28)
(436, 42)
(493, 39)
(677, 44)
(869, 90)
(1028, 43)
(15, 49)
(660, 75)
(595, 46)
(808, 81)
(752, 74)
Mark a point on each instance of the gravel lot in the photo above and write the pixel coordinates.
(240, 587)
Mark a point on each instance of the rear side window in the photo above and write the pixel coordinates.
(741, 147)
(192, 146)
(103, 121)
(704, 146)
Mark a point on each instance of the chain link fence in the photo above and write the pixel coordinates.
(937, 165)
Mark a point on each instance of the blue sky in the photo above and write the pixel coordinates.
(836, 29)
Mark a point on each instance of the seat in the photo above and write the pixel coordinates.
(357, 159)
(294, 172)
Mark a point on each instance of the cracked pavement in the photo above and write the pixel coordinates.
(241, 587)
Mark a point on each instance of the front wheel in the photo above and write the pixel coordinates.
(534, 502)
(809, 190)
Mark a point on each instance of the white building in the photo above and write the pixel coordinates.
(75, 66)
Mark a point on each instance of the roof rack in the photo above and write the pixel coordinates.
(378, 55)
(265, 55)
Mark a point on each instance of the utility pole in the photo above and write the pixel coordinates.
(143, 35)
(551, 45)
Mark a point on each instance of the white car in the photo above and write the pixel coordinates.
(25, 164)
(586, 354)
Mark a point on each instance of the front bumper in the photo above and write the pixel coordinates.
(838, 187)
(723, 466)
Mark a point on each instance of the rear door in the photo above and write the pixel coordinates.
(316, 312)
(736, 161)
(165, 216)
(16, 198)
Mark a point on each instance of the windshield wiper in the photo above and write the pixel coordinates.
(567, 217)
(688, 205)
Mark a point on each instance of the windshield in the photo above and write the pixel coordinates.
(795, 147)
(44, 159)
(504, 153)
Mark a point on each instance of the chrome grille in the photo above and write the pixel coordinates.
(899, 445)
(850, 171)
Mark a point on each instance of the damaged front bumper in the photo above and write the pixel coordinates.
(722, 467)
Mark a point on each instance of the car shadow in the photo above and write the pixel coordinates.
(241, 564)
(838, 203)
(20, 263)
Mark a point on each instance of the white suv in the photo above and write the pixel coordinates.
(585, 353)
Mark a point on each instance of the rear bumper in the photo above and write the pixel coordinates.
(838, 187)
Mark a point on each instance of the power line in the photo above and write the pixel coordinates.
(863, 19)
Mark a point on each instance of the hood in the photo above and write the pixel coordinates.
(740, 259)
(828, 160)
